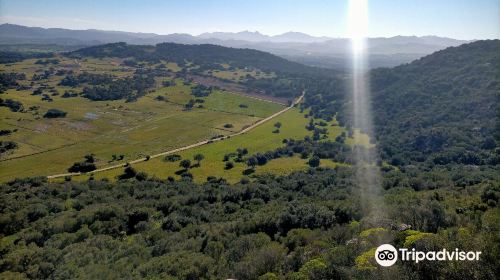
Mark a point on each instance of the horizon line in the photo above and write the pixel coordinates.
(230, 32)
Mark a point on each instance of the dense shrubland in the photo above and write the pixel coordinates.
(306, 225)
(441, 109)
(437, 135)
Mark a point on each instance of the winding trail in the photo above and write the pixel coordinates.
(204, 142)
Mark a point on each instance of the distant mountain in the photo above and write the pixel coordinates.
(296, 46)
(298, 37)
(241, 36)
(288, 37)
(17, 34)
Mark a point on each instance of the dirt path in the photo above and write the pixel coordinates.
(204, 142)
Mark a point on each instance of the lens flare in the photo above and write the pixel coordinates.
(358, 24)
(367, 174)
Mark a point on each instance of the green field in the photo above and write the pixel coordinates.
(106, 128)
(240, 74)
(260, 139)
(154, 123)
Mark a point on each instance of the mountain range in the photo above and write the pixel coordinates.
(300, 47)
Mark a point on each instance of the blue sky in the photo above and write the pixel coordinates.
(461, 19)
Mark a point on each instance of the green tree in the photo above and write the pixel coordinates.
(252, 162)
(314, 161)
(198, 158)
(185, 163)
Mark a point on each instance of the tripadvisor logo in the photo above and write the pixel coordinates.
(387, 255)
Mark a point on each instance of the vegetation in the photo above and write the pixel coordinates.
(6, 146)
(110, 127)
(243, 231)
(14, 106)
(85, 166)
(55, 113)
(206, 56)
(127, 88)
(446, 117)
(259, 205)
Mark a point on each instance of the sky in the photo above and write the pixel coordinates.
(460, 19)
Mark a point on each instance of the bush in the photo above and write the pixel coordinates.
(314, 161)
(172, 158)
(128, 172)
(14, 106)
(6, 146)
(229, 165)
(54, 113)
(185, 163)
(82, 167)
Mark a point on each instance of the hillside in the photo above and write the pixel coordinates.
(315, 51)
(203, 55)
(278, 202)
(440, 109)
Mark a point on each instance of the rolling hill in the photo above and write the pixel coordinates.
(296, 46)
(278, 202)
(441, 108)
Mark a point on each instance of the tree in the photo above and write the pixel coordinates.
(82, 167)
(229, 165)
(252, 162)
(314, 161)
(90, 158)
(198, 158)
(54, 113)
(128, 173)
(277, 125)
(185, 163)
(13, 105)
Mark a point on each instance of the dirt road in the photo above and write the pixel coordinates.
(204, 142)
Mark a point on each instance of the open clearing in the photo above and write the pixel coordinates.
(107, 128)
(260, 139)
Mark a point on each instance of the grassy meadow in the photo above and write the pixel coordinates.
(260, 139)
(107, 128)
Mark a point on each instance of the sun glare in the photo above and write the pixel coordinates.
(357, 23)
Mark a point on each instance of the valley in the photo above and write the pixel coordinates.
(173, 161)
(168, 116)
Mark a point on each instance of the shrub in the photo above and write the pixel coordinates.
(82, 167)
(229, 165)
(172, 158)
(314, 161)
(14, 106)
(54, 113)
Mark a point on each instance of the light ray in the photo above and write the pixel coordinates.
(367, 174)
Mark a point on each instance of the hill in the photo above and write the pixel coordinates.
(440, 109)
(316, 51)
(290, 207)
(203, 55)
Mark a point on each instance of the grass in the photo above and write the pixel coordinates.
(359, 138)
(228, 102)
(260, 139)
(144, 127)
(135, 129)
(240, 74)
